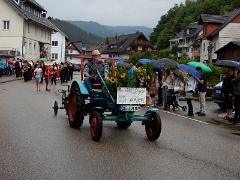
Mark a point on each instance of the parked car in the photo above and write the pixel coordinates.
(217, 95)
(76, 67)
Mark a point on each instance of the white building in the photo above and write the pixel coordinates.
(58, 45)
(24, 31)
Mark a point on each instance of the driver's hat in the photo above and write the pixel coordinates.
(95, 52)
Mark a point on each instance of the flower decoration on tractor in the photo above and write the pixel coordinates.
(121, 77)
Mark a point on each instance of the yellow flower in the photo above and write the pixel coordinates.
(122, 75)
(112, 80)
(148, 77)
(114, 74)
(144, 70)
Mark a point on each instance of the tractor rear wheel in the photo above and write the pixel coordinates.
(96, 125)
(153, 126)
(75, 107)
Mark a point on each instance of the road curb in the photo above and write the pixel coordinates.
(10, 80)
(225, 123)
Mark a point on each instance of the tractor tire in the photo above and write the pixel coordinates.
(75, 107)
(153, 127)
(55, 108)
(123, 125)
(96, 125)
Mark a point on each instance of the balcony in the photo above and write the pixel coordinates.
(9, 52)
(141, 43)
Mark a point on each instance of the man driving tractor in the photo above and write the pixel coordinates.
(90, 71)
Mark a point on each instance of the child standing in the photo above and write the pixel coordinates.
(38, 75)
(153, 90)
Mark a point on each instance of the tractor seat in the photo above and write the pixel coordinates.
(97, 86)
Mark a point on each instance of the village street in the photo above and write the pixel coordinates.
(35, 144)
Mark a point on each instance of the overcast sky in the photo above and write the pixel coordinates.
(110, 12)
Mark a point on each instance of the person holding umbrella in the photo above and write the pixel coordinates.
(202, 89)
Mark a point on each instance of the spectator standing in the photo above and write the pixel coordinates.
(177, 86)
(227, 90)
(160, 94)
(236, 94)
(202, 89)
(43, 68)
(190, 88)
(38, 74)
(70, 70)
(17, 67)
(153, 89)
(166, 86)
(53, 80)
(48, 76)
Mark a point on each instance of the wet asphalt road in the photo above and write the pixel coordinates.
(35, 144)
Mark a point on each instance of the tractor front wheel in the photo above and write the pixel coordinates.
(96, 125)
(75, 107)
(153, 126)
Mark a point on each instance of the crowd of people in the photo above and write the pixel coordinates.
(29, 70)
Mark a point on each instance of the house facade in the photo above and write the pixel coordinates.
(218, 31)
(73, 49)
(187, 41)
(58, 45)
(25, 31)
(125, 45)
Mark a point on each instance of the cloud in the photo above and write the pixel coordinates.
(110, 12)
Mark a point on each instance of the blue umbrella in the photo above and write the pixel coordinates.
(190, 70)
(145, 61)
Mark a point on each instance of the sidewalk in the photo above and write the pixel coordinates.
(9, 78)
(213, 113)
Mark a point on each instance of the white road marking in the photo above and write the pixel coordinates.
(185, 117)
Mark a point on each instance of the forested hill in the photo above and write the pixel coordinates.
(178, 17)
(77, 34)
(108, 31)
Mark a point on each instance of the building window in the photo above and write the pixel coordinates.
(30, 47)
(54, 56)
(34, 48)
(28, 28)
(6, 25)
(203, 47)
(54, 43)
(71, 50)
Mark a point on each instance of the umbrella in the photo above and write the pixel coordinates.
(178, 73)
(227, 63)
(42, 59)
(204, 67)
(49, 63)
(165, 62)
(124, 64)
(10, 60)
(2, 64)
(145, 61)
(190, 70)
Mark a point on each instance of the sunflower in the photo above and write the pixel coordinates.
(123, 75)
(112, 80)
(144, 70)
